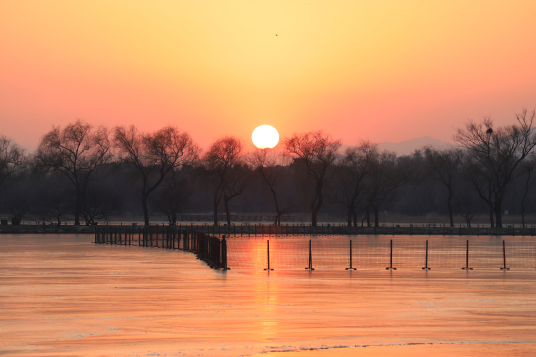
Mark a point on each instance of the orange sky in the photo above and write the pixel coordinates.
(378, 70)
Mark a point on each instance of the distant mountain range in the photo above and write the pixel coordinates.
(407, 147)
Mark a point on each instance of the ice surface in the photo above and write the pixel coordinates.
(61, 295)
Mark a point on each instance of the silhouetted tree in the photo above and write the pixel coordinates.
(101, 202)
(350, 174)
(52, 197)
(497, 154)
(76, 151)
(465, 201)
(239, 177)
(527, 169)
(318, 152)
(19, 200)
(220, 160)
(385, 175)
(154, 155)
(12, 159)
(267, 163)
(171, 197)
(445, 166)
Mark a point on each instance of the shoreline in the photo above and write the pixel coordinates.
(287, 230)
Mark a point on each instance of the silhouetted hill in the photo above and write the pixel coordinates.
(407, 147)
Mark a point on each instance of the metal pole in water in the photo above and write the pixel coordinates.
(391, 258)
(426, 259)
(504, 258)
(310, 258)
(351, 267)
(467, 258)
(268, 254)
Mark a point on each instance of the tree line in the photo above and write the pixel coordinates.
(89, 173)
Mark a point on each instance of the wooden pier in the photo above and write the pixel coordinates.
(210, 249)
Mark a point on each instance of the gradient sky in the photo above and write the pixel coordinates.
(378, 70)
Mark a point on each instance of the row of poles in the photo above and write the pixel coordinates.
(213, 250)
(210, 249)
(390, 267)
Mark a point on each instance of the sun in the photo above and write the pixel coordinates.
(265, 137)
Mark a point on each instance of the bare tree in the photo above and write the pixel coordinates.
(154, 155)
(52, 197)
(12, 159)
(171, 197)
(318, 152)
(445, 166)
(238, 179)
(351, 171)
(76, 151)
(268, 164)
(19, 200)
(220, 160)
(101, 202)
(498, 153)
(386, 173)
(527, 168)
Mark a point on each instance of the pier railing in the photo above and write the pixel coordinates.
(210, 249)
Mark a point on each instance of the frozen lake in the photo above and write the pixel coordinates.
(62, 295)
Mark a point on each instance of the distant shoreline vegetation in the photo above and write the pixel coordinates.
(89, 175)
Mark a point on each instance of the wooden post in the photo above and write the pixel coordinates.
(351, 267)
(504, 258)
(268, 255)
(310, 267)
(390, 267)
(467, 258)
(426, 258)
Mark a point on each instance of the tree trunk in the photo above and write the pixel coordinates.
(216, 202)
(278, 213)
(376, 218)
(145, 209)
(278, 219)
(491, 220)
(313, 218)
(498, 214)
(449, 204)
(227, 213)
(350, 207)
(316, 204)
(354, 215)
(368, 216)
(523, 199)
(215, 213)
(77, 209)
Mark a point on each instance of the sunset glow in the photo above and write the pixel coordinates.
(383, 71)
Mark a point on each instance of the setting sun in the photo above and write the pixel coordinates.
(265, 137)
